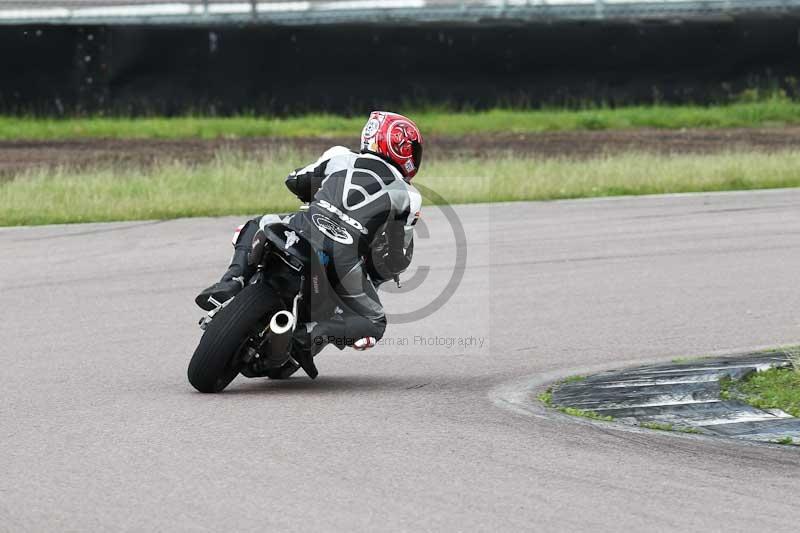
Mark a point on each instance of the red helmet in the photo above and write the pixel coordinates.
(395, 138)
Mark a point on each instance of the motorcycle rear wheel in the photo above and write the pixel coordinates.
(214, 363)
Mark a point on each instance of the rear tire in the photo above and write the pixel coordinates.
(213, 364)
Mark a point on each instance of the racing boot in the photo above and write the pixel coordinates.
(310, 339)
(238, 272)
(305, 345)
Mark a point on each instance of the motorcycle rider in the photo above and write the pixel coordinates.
(360, 222)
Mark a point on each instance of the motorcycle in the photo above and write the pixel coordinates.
(252, 333)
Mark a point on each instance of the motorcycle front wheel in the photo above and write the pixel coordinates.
(215, 363)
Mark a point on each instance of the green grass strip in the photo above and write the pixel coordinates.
(235, 184)
(583, 413)
(546, 398)
(776, 111)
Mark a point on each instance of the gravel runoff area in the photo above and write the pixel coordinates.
(16, 156)
(683, 396)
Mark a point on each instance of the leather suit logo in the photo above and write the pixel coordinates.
(331, 229)
(343, 217)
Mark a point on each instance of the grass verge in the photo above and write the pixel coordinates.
(772, 111)
(234, 184)
(777, 388)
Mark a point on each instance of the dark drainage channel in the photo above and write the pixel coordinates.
(683, 396)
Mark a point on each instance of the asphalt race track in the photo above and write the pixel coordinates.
(100, 430)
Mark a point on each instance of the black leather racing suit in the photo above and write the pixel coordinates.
(361, 211)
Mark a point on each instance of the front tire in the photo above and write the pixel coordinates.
(213, 365)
